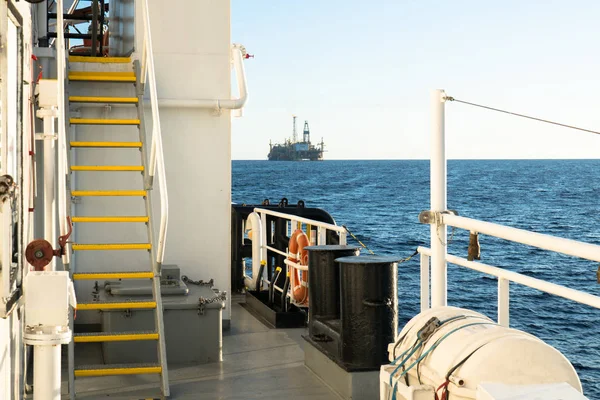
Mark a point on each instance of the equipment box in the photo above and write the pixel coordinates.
(192, 329)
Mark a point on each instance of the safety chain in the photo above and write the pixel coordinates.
(449, 239)
(358, 240)
(409, 257)
(199, 283)
(218, 298)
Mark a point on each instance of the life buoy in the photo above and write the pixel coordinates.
(299, 285)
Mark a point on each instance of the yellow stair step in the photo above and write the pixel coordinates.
(115, 246)
(109, 219)
(114, 337)
(81, 193)
(104, 60)
(107, 144)
(125, 305)
(94, 99)
(107, 168)
(90, 276)
(103, 121)
(101, 76)
(117, 369)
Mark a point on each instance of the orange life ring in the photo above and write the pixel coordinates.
(299, 285)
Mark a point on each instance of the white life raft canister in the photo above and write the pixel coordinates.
(455, 350)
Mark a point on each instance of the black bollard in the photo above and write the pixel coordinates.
(324, 281)
(369, 297)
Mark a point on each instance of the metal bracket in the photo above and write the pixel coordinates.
(434, 217)
(43, 136)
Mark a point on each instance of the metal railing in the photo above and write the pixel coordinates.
(63, 153)
(260, 248)
(238, 53)
(157, 162)
(434, 259)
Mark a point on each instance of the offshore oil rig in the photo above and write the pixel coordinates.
(292, 150)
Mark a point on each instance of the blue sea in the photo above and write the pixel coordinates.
(380, 201)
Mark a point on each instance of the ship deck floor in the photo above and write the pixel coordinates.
(258, 363)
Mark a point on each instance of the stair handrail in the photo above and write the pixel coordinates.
(157, 162)
(62, 153)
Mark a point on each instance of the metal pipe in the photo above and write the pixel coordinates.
(263, 237)
(46, 372)
(254, 220)
(296, 265)
(541, 285)
(438, 200)
(216, 104)
(546, 242)
(63, 153)
(424, 282)
(343, 237)
(49, 184)
(503, 302)
(312, 222)
(281, 253)
(156, 152)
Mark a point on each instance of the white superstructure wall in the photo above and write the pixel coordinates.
(16, 48)
(191, 43)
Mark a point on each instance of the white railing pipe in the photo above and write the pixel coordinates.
(424, 282)
(296, 265)
(217, 104)
(311, 222)
(256, 227)
(438, 200)
(546, 242)
(49, 177)
(504, 302)
(62, 153)
(157, 163)
(539, 284)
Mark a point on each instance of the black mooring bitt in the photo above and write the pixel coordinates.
(324, 281)
(356, 334)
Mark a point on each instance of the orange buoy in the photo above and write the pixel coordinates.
(299, 284)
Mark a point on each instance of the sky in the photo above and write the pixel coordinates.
(362, 72)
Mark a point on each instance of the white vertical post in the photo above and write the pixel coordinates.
(322, 232)
(263, 236)
(49, 184)
(424, 282)
(343, 240)
(257, 235)
(438, 200)
(503, 302)
(46, 372)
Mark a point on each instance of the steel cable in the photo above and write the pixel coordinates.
(449, 98)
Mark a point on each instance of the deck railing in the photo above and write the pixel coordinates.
(157, 162)
(61, 140)
(260, 248)
(440, 219)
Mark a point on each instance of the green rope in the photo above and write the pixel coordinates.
(358, 240)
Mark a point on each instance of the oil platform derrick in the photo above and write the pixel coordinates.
(293, 150)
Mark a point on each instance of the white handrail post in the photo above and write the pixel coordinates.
(343, 238)
(424, 282)
(263, 236)
(438, 200)
(503, 302)
(62, 153)
(257, 234)
(322, 233)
